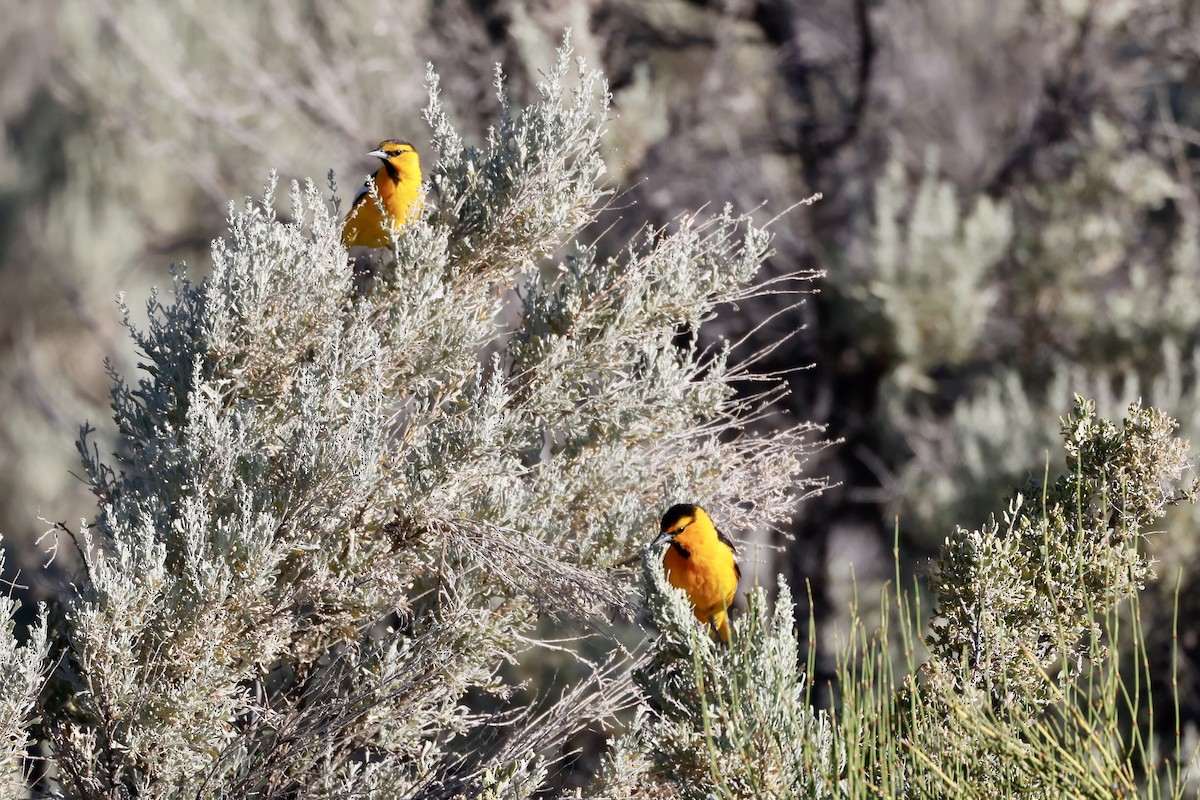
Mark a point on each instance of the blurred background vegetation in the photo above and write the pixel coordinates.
(1011, 214)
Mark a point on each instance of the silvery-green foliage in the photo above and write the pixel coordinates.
(23, 669)
(1019, 617)
(724, 721)
(932, 262)
(1025, 693)
(1002, 434)
(1086, 258)
(515, 781)
(536, 178)
(338, 506)
(962, 462)
(1082, 276)
(1024, 592)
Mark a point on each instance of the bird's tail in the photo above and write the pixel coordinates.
(720, 626)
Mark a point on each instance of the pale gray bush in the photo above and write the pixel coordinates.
(23, 669)
(724, 721)
(1006, 432)
(1023, 692)
(338, 507)
(931, 275)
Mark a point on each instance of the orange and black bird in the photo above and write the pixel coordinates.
(398, 184)
(701, 561)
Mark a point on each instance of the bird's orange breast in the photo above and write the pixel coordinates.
(707, 574)
(365, 226)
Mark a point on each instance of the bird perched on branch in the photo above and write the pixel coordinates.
(701, 561)
(398, 185)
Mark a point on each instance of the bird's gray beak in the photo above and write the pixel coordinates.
(378, 154)
(662, 538)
